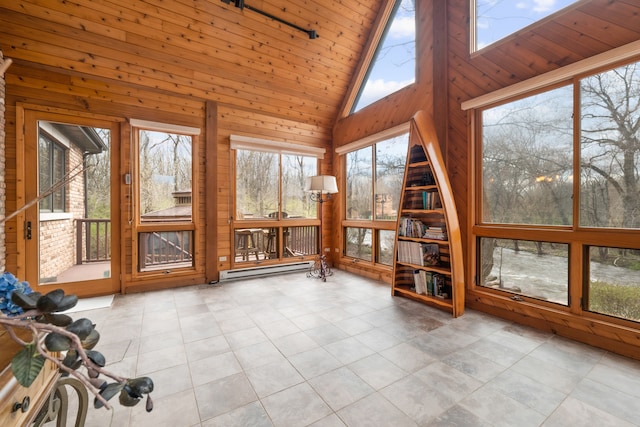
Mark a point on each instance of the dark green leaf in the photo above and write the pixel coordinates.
(58, 319)
(127, 400)
(140, 386)
(91, 341)
(67, 302)
(57, 342)
(27, 364)
(81, 327)
(49, 303)
(97, 358)
(26, 302)
(108, 392)
(72, 360)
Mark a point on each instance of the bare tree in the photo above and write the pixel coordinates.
(610, 141)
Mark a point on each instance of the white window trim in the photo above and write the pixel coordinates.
(370, 140)
(240, 142)
(164, 127)
(621, 53)
(55, 216)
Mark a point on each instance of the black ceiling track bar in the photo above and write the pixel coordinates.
(241, 4)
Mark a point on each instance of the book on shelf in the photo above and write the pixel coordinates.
(423, 254)
(430, 254)
(411, 227)
(441, 288)
(431, 200)
(437, 233)
(428, 283)
(419, 282)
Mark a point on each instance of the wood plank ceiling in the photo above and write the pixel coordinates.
(201, 48)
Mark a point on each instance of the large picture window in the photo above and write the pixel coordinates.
(527, 160)
(562, 165)
(374, 175)
(271, 185)
(275, 218)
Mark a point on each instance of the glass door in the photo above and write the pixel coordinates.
(70, 236)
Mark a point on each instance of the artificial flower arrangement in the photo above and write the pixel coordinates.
(22, 308)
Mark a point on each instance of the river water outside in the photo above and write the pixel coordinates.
(546, 276)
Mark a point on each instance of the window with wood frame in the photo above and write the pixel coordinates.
(164, 195)
(274, 218)
(374, 170)
(559, 194)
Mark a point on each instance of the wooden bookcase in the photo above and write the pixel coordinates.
(428, 222)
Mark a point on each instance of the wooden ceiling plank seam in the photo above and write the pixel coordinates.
(97, 60)
(103, 11)
(233, 55)
(330, 17)
(110, 44)
(247, 115)
(582, 43)
(306, 68)
(90, 93)
(523, 64)
(233, 98)
(487, 74)
(618, 14)
(555, 54)
(596, 28)
(257, 23)
(221, 27)
(67, 19)
(343, 24)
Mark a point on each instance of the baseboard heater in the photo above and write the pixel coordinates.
(263, 271)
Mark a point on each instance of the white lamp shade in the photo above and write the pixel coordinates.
(325, 184)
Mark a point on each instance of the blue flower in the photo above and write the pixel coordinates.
(8, 285)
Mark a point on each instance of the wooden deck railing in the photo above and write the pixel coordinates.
(163, 248)
(301, 240)
(93, 244)
(93, 240)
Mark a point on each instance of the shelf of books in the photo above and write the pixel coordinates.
(428, 262)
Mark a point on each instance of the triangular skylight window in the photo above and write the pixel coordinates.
(394, 64)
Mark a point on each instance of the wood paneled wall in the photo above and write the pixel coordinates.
(81, 96)
(176, 62)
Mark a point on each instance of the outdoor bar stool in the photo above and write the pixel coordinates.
(271, 248)
(246, 244)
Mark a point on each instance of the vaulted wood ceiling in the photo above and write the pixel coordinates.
(202, 48)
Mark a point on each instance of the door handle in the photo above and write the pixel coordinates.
(27, 230)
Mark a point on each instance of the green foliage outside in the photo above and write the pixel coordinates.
(615, 300)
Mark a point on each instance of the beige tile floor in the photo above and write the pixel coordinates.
(294, 351)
